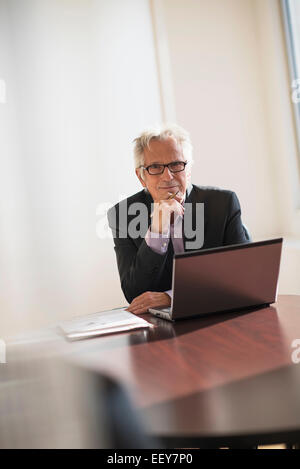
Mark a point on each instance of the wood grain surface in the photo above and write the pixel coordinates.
(220, 379)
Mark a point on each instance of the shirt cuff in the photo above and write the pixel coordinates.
(170, 293)
(157, 242)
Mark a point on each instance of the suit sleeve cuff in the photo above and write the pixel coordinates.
(157, 242)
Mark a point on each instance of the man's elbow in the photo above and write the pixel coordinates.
(127, 292)
(247, 234)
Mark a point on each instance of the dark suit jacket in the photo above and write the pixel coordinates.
(140, 268)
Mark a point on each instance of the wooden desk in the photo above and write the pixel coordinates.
(224, 380)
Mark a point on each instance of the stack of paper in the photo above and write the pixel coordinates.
(106, 322)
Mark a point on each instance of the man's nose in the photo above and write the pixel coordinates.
(167, 174)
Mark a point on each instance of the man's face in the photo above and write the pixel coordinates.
(161, 185)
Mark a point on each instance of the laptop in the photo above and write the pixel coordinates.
(227, 278)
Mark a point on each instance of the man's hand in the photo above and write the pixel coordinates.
(163, 211)
(147, 300)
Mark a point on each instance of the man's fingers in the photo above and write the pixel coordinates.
(138, 301)
(172, 195)
(142, 303)
(162, 212)
(171, 206)
(137, 306)
(137, 310)
(176, 196)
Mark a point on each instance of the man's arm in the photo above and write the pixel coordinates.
(138, 267)
(235, 232)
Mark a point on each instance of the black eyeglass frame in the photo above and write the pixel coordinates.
(165, 166)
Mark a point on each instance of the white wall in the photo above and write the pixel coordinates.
(81, 83)
(219, 97)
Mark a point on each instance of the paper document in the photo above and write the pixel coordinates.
(105, 322)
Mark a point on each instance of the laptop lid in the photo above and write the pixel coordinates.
(225, 278)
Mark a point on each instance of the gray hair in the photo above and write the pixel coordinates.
(161, 133)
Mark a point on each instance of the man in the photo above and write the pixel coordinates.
(172, 218)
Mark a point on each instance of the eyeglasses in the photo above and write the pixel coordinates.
(174, 167)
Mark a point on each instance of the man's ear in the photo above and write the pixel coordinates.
(189, 173)
(138, 173)
(189, 177)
